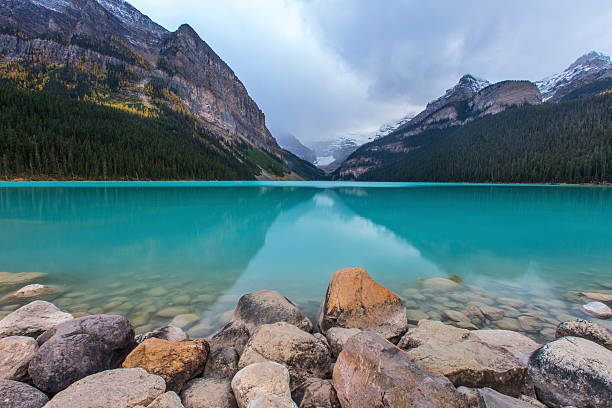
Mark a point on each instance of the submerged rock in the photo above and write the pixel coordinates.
(119, 388)
(32, 319)
(175, 361)
(15, 356)
(601, 297)
(315, 392)
(572, 371)
(9, 279)
(466, 359)
(78, 348)
(259, 378)
(15, 394)
(30, 291)
(598, 309)
(355, 300)
(208, 392)
(440, 285)
(586, 330)
(169, 333)
(371, 372)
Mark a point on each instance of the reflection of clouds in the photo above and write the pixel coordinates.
(323, 200)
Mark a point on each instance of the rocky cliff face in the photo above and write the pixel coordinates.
(470, 99)
(113, 32)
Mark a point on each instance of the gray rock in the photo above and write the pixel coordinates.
(169, 333)
(488, 398)
(315, 393)
(78, 348)
(415, 316)
(337, 336)
(530, 323)
(15, 394)
(32, 319)
(371, 372)
(258, 378)
(267, 307)
(208, 392)
(167, 400)
(267, 400)
(598, 309)
(121, 388)
(440, 285)
(222, 363)
(288, 345)
(516, 343)
(455, 316)
(587, 330)
(572, 371)
(233, 334)
(16, 352)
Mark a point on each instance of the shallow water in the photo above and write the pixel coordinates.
(152, 251)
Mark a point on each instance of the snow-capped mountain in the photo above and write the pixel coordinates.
(332, 151)
(289, 142)
(588, 68)
(389, 128)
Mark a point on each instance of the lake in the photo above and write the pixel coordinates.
(152, 251)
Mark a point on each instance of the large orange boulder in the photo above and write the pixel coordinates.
(355, 300)
(176, 362)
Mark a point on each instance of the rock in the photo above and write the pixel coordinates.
(169, 333)
(30, 291)
(415, 316)
(8, 279)
(267, 400)
(491, 312)
(337, 336)
(598, 309)
(474, 314)
(119, 388)
(288, 345)
(466, 360)
(514, 303)
(572, 371)
(258, 378)
(587, 330)
(222, 363)
(600, 297)
(508, 324)
(172, 311)
(455, 316)
(354, 300)
(184, 320)
(167, 400)
(208, 392)
(175, 361)
(465, 325)
(15, 394)
(530, 323)
(267, 307)
(78, 348)
(32, 319)
(488, 398)
(233, 334)
(440, 285)
(372, 372)
(315, 393)
(15, 356)
(516, 343)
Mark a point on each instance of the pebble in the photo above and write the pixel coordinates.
(157, 292)
(181, 300)
(598, 309)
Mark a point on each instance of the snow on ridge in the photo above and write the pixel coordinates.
(54, 5)
(128, 14)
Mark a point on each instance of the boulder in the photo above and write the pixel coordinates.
(267, 400)
(355, 300)
(222, 363)
(119, 388)
(233, 334)
(572, 371)
(586, 330)
(175, 361)
(315, 393)
(208, 392)
(266, 307)
(288, 345)
(15, 355)
(32, 319)
(488, 398)
(337, 336)
(170, 333)
(467, 360)
(167, 400)
(259, 378)
(516, 343)
(598, 309)
(78, 348)
(15, 394)
(371, 372)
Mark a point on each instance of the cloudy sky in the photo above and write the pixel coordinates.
(321, 69)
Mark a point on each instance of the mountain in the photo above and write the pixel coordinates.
(108, 53)
(591, 69)
(331, 153)
(470, 99)
(289, 142)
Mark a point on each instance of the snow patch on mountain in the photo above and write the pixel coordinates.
(130, 16)
(55, 5)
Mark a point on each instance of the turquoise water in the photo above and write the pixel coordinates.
(152, 251)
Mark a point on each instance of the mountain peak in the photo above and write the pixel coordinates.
(592, 58)
(472, 82)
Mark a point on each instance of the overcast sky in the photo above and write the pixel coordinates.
(323, 69)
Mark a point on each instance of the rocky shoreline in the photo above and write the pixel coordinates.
(366, 350)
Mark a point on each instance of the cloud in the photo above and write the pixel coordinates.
(322, 69)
